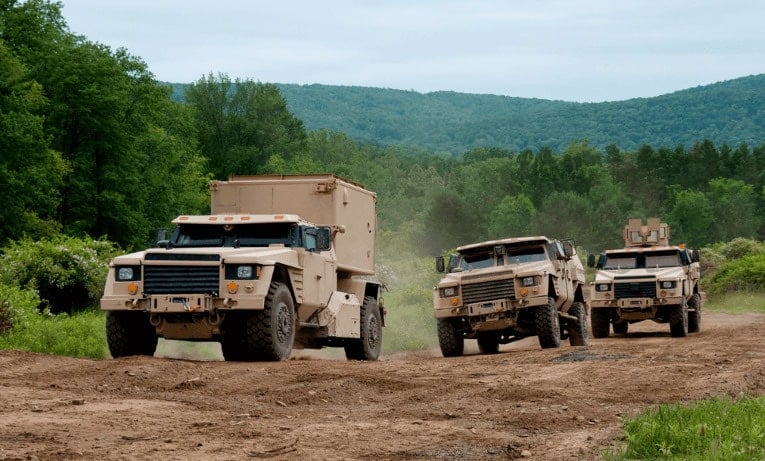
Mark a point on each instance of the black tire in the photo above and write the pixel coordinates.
(488, 343)
(233, 344)
(621, 328)
(270, 333)
(548, 325)
(130, 333)
(449, 338)
(678, 320)
(600, 321)
(368, 347)
(694, 313)
(577, 330)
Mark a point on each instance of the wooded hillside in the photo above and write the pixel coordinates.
(728, 112)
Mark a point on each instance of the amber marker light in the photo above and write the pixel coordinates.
(524, 292)
(132, 288)
(233, 287)
(455, 301)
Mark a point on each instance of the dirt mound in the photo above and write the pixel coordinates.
(524, 402)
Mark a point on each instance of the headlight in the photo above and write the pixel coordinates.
(449, 291)
(668, 284)
(529, 281)
(602, 287)
(242, 272)
(128, 273)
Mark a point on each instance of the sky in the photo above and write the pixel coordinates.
(575, 50)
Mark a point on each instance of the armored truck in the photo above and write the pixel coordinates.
(648, 279)
(281, 262)
(501, 291)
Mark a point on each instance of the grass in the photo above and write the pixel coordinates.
(717, 429)
(737, 303)
(78, 335)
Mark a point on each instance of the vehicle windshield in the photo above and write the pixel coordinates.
(525, 255)
(670, 258)
(510, 255)
(233, 235)
(476, 261)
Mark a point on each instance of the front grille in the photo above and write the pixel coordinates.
(488, 291)
(181, 279)
(635, 290)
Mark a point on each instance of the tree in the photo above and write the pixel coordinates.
(565, 215)
(30, 172)
(116, 127)
(734, 206)
(243, 124)
(512, 217)
(690, 218)
(448, 223)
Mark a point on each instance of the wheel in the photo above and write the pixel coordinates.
(449, 338)
(620, 328)
(600, 321)
(233, 344)
(130, 333)
(270, 333)
(548, 325)
(694, 313)
(368, 347)
(488, 343)
(577, 330)
(678, 320)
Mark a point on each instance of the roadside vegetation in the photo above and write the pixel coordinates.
(716, 429)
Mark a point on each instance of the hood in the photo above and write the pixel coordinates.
(261, 255)
(494, 272)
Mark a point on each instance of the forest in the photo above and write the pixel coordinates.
(729, 112)
(93, 146)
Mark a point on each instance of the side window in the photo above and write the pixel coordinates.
(310, 241)
(317, 239)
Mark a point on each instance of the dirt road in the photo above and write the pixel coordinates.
(560, 404)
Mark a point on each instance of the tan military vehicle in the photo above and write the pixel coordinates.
(648, 279)
(501, 291)
(281, 262)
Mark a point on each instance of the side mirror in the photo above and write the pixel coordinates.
(601, 261)
(440, 266)
(162, 240)
(590, 260)
(568, 249)
(695, 256)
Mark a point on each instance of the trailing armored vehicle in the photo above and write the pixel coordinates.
(648, 279)
(281, 262)
(501, 291)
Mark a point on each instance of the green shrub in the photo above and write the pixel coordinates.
(17, 307)
(740, 247)
(710, 260)
(67, 273)
(25, 327)
(746, 274)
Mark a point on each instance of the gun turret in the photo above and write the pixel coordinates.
(654, 233)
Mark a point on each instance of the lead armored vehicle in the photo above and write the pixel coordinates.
(281, 262)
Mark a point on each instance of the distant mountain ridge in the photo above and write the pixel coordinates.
(731, 112)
